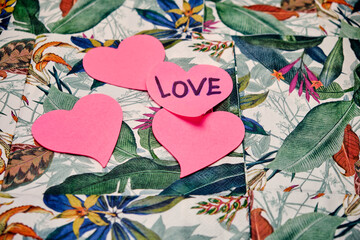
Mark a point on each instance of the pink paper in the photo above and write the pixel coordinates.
(198, 142)
(91, 128)
(190, 93)
(128, 65)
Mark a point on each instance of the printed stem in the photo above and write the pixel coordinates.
(334, 213)
(349, 90)
(348, 226)
(5, 102)
(152, 153)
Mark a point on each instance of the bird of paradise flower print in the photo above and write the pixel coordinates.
(189, 13)
(106, 214)
(6, 8)
(303, 74)
(183, 21)
(80, 210)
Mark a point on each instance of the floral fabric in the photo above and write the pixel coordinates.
(296, 73)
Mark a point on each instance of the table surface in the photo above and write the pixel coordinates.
(296, 73)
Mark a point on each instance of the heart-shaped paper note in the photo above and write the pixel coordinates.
(198, 142)
(91, 128)
(191, 93)
(128, 65)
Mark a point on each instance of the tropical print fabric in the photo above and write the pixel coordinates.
(296, 73)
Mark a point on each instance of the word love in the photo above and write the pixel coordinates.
(189, 94)
(185, 89)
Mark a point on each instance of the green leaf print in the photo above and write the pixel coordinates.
(348, 31)
(125, 147)
(177, 232)
(357, 78)
(356, 96)
(355, 46)
(243, 82)
(26, 16)
(316, 138)
(84, 15)
(249, 22)
(288, 43)
(143, 173)
(333, 64)
(138, 231)
(147, 139)
(334, 90)
(96, 84)
(208, 15)
(314, 225)
(270, 58)
(252, 100)
(209, 180)
(56, 100)
(152, 204)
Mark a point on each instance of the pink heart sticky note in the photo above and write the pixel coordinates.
(128, 65)
(91, 128)
(198, 142)
(191, 93)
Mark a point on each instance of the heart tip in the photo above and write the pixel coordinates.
(185, 174)
(103, 162)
